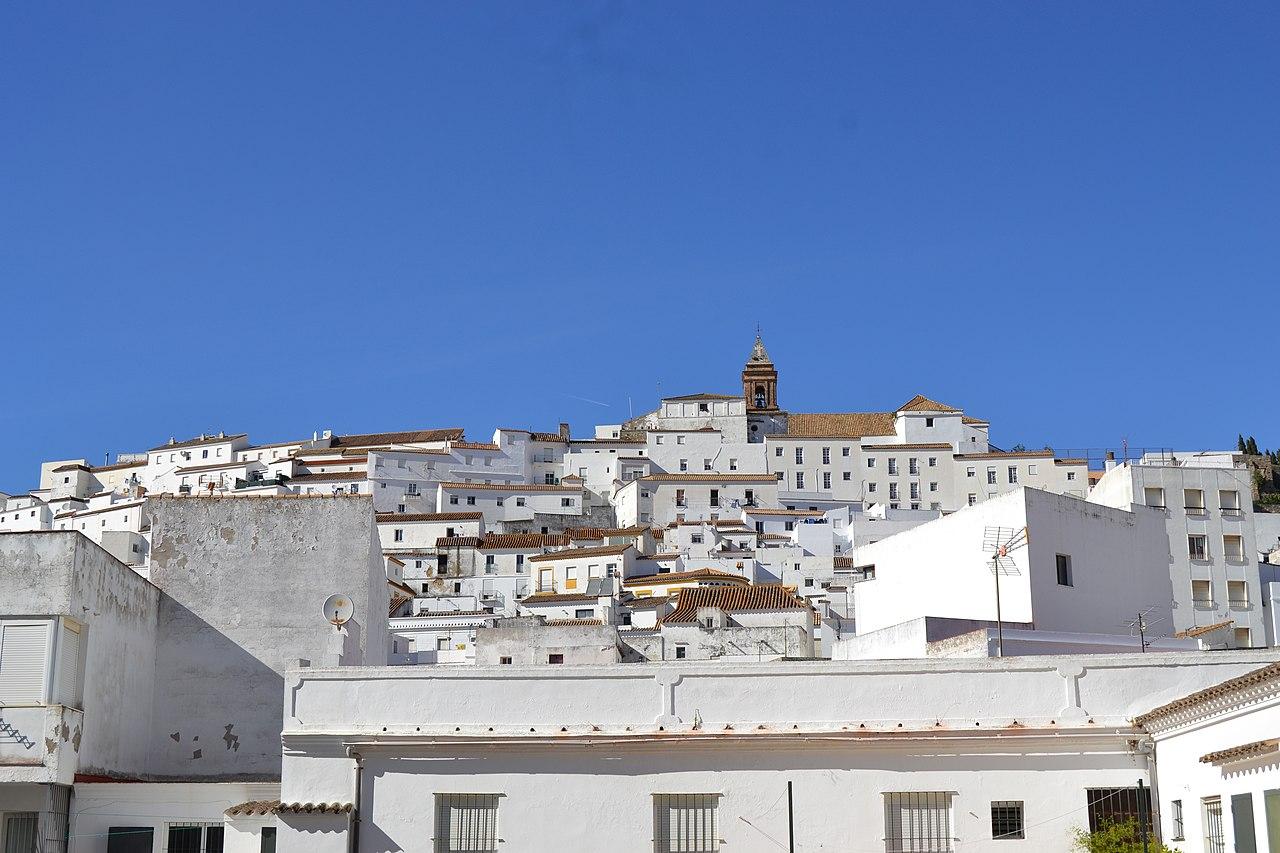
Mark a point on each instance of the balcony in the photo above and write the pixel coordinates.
(1238, 603)
(25, 735)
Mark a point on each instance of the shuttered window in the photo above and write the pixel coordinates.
(20, 832)
(918, 822)
(23, 661)
(67, 678)
(685, 823)
(466, 823)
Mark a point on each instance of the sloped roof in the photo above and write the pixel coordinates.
(406, 437)
(683, 577)
(839, 424)
(732, 599)
(1249, 679)
(576, 553)
(921, 403)
(204, 439)
(428, 516)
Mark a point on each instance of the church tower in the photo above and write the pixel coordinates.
(760, 381)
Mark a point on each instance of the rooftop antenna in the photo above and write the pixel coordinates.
(1000, 542)
(1140, 625)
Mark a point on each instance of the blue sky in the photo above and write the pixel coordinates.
(277, 218)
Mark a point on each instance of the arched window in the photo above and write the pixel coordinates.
(761, 401)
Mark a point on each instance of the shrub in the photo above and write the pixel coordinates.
(1118, 837)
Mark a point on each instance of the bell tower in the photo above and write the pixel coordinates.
(760, 380)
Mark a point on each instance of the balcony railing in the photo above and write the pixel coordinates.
(1238, 603)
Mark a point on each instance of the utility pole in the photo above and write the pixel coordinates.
(791, 820)
(995, 563)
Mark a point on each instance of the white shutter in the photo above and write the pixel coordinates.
(67, 679)
(23, 658)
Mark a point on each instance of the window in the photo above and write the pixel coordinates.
(1193, 501)
(453, 499)
(519, 501)
(684, 464)
(685, 823)
(566, 502)
(826, 479)
(195, 838)
(799, 455)
(412, 489)
(1202, 593)
(893, 491)
(1237, 594)
(928, 422)
(913, 465)
(826, 456)
(1032, 470)
(915, 491)
(397, 535)
(1243, 639)
(504, 660)
(1006, 819)
(844, 451)
(657, 439)
(471, 500)
(1197, 547)
(583, 613)
(466, 822)
(1071, 475)
(1013, 473)
(1214, 840)
(680, 501)
(1064, 570)
(846, 476)
(970, 471)
(1175, 821)
(548, 479)
(973, 499)
(682, 651)
(777, 451)
(1153, 496)
(933, 462)
(1117, 805)
(555, 658)
(706, 464)
(399, 507)
(679, 439)
(991, 476)
(871, 462)
(715, 497)
(918, 821)
(1229, 502)
(1233, 546)
(749, 497)
(120, 839)
(695, 538)
(799, 480)
(733, 464)
(933, 487)
(267, 841)
(893, 466)
(871, 487)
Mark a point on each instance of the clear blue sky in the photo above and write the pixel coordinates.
(279, 217)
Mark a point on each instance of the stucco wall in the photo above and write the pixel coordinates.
(244, 581)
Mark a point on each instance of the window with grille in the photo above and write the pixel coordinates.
(466, 823)
(1118, 805)
(1175, 818)
(194, 838)
(685, 823)
(20, 831)
(1214, 839)
(918, 822)
(1006, 819)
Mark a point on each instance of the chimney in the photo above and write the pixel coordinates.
(564, 431)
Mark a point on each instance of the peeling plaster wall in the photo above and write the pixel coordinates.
(245, 580)
(61, 573)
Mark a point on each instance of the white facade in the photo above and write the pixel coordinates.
(1205, 504)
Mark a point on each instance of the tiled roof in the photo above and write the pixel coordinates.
(330, 477)
(564, 622)
(684, 577)
(942, 445)
(1201, 630)
(508, 487)
(118, 465)
(75, 466)
(408, 437)
(582, 553)
(1240, 753)
(473, 445)
(220, 466)
(1071, 462)
(733, 599)
(204, 439)
(760, 511)
(429, 516)
(709, 478)
(649, 601)
(842, 562)
(577, 533)
(498, 541)
(397, 600)
(1249, 679)
(334, 452)
(557, 597)
(266, 807)
(1008, 454)
(921, 403)
(839, 424)
(974, 421)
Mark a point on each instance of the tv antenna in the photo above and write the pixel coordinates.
(1000, 542)
(1140, 625)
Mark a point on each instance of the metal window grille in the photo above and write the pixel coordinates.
(685, 823)
(1214, 839)
(194, 837)
(466, 823)
(54, 825)
(918, 822)
(1175, 808)
(1118, 805)
(20, 832)
(1006, 819)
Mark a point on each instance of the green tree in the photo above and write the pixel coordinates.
(1239, 442)
(1019, 448)
(1251, 446)
(1119, 837)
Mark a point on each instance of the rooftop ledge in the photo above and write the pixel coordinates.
(1042, 696)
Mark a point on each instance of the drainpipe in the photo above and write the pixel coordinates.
(353, 826)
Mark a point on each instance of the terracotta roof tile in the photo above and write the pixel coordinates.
(429, 516)
(708, 478)
(507, 487)
(564, 622)
(557, 597)
(583, 553)
(1008, 454)
(205, 439)
(921, 403)
(1242, 752)
(1201, 630)
(839, 424)
(499, 541)
(330, 477)
(734, 599)
(684, 577)
(1250, 679)
(407, 437)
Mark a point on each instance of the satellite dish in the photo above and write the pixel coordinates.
(338, 609)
